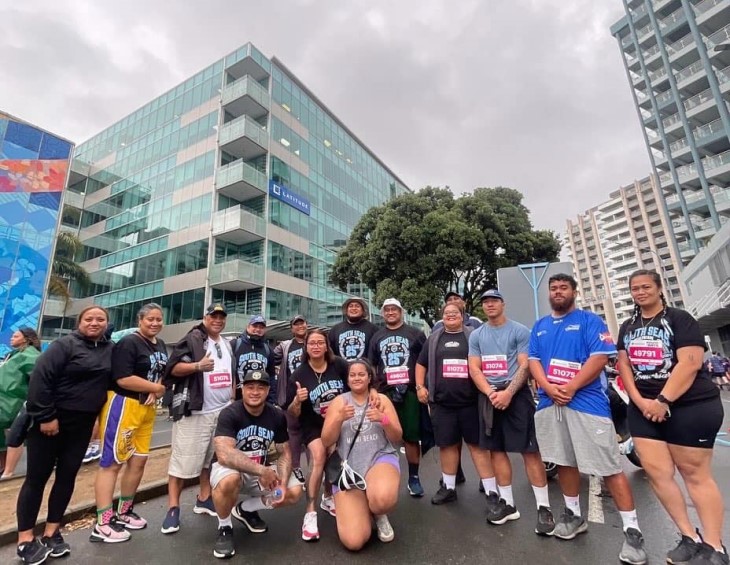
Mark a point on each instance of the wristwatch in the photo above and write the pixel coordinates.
(419, 387)
(661, 398)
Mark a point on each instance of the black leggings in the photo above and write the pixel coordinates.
(64, 451)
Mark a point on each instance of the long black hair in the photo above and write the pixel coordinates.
(657, 279)
(329, 357)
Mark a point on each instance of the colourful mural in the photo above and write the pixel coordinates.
(33, 170)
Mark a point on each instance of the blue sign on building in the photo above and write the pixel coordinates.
(286, 195)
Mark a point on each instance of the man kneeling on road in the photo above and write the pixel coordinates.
(242, 439)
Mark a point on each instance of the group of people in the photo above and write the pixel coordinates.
(244, 413)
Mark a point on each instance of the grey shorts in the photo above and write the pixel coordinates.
(192, 445)
(249, 483)
(575, 439)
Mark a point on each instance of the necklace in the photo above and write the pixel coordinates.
(319, 374)
(643, 325)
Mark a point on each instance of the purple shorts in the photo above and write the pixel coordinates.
(387, 458)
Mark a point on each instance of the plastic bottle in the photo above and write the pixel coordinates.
(271, 496)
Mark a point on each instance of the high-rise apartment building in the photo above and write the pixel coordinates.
(238, 186)
(678, 65)
(608, 242)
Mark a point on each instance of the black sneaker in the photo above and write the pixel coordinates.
(686, 549)
(59, 548)
(481, 487)
(545, 522)
(708, 555)
(503, 513)
(492, 502)
(251, 520)
(33, 552)
(224, 548)
(444, 495)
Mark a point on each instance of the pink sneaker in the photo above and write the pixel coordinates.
(310, 532)
(328, 505)
(131, 520)
(113, 532)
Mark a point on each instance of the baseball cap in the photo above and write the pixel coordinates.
(256, 377)
(452, 293)
(257, 319)
(491, 293)
(297, 318)
(392, 302)
(213, 308)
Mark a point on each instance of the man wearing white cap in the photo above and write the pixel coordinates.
(394, 351)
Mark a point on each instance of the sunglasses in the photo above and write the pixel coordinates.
(218, 351)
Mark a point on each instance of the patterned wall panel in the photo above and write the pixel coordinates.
(33, 169)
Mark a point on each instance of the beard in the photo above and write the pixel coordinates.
(563, 307)
(354, 319)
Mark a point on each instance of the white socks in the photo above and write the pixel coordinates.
(505, 493)
(449, 481)
(490, 485)
(629, 519)
(541, 496)
(222, 522)
(573, 504)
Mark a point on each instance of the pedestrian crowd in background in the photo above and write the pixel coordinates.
(244, 412)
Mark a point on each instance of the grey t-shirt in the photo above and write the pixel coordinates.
(371, 443)
(498, 347)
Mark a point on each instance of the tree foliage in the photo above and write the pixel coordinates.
(419, 246)
(64, 268)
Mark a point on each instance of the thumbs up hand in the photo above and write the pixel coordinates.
(206, 363)
(302, 393)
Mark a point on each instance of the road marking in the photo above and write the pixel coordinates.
(595, 502)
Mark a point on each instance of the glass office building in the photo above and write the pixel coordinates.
(238, 186)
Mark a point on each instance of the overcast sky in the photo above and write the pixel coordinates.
(529, 94)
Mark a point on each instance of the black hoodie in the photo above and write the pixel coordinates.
(351, 340)
(73, 374)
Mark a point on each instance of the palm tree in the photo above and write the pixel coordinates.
(65, 269)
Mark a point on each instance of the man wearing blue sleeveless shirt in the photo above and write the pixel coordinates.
(568, 352)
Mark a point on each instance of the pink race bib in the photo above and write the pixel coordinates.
(561, 372)
(494, 365)
(219, 380)
(396, 375)
(455, 369)
(646, 352)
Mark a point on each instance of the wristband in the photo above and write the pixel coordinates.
(384, 421)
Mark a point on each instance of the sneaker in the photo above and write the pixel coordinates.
(251, 520)
(414, 487)
(171, 523)
(113, 532)
(385, 530)
(310, 532)
(444, 495)
(298, 474)
(545, 522)
(481, 487)
(632, 551)
(131, 520)
(93, 452)
(328, 505)
(204, 506)
(492, 502)
(460, 478)
(569, 525)
(708, 555)
(224, 548)
(686, 549)
(503, 513)
(33, 552)
(59, 548)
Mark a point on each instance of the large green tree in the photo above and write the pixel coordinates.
(419, 246)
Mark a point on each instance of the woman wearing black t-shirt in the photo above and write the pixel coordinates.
(674, 415)
(312, 387)
(126, 422)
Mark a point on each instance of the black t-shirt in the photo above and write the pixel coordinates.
(293, 357)
(253, 356)
(651, 346)
(394, 353)
(322, 391)
(253, 434)
(453, 387)
(352, 341)
(138, 356)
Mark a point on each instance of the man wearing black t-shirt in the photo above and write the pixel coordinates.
(244, 433)
(350, 339)
(394, 350)
(252, 353)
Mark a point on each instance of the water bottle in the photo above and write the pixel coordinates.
(271, 496)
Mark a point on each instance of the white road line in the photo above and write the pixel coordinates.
(595, 502)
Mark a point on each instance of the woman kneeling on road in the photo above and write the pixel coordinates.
(372, 460)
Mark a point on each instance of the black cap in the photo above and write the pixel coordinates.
(297, 318)
(491, 293)
(213, 308)
(256, 377)
(452, 293)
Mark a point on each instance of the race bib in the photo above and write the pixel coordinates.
(646, 352)
(455, 369)
(561, 372)
(397, 375)
(219, 380)
(494, 366)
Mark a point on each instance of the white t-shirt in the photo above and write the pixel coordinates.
(217, 384)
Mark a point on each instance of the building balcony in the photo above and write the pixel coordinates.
(246, 97)
(248, 61)
(240, 181)
(236, 275)
(244, 138)
(238, 226)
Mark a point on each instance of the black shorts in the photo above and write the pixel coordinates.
(451, 425)
(309, 434)
(513, 429)
(692, 425)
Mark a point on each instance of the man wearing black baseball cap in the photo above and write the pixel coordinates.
(456, 298)
(251, 352)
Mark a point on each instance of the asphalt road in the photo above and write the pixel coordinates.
(450, 534)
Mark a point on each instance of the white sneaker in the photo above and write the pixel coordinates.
(310, 532)
(328, 505)
(385, 530)
(93, 452)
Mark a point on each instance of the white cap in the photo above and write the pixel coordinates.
(392, 302)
